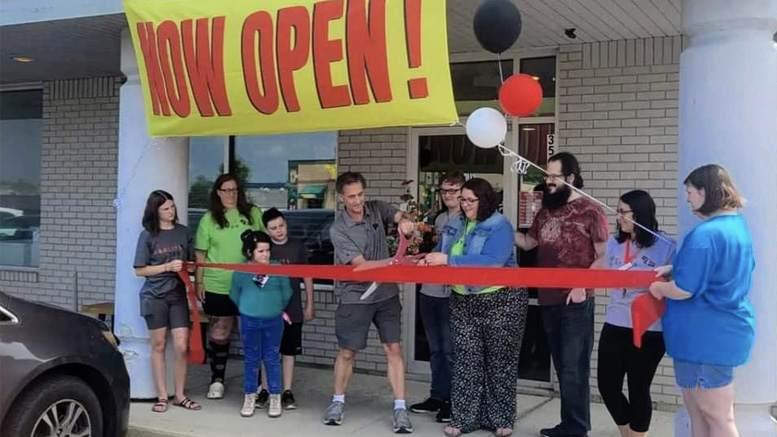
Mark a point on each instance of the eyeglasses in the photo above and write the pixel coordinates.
(229, 190)
(450, 192)
(553, 176)
(623, 211)
(466, 201)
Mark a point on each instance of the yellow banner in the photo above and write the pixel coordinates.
(278, 66)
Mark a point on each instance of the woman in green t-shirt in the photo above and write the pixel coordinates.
(218, 241)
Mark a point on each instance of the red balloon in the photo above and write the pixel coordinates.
(520, 95)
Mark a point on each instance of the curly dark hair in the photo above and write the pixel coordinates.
(216, 208)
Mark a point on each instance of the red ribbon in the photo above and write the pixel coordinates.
(644, 312)
(196, 351)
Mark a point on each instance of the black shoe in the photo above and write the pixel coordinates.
(287, 400)
(444, 415)
(263, 399)
(430, 405)
(556, 431)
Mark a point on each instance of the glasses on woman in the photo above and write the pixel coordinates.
(467, 201)
(450, 192)
(623, 211)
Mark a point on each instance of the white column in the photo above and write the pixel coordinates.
(145, 164)
(728, 116)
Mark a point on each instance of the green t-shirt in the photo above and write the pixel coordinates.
(458, 249)
(224, 245)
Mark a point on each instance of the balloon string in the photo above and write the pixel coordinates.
(507, 152)
(499, 62)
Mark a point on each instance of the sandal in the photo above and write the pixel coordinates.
(160, 406)
(503, 432)
(452, 431)
(188, 404)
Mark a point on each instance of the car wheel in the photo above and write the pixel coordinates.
(60, 406)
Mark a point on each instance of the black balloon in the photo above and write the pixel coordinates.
(497, 25)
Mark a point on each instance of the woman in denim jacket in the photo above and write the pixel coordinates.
(487, 322)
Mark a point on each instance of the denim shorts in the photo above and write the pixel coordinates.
(691, 375)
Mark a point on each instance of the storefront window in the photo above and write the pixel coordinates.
(543, 70)
(476, 84)
(295, 173)
(21, 127)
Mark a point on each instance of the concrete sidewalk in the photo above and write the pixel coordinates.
(367, 411)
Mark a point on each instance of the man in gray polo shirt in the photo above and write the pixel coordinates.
(359, 235)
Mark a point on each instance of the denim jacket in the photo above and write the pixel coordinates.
(490, 244)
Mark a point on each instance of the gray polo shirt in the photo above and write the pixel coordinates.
(368, 239)
(437, 290)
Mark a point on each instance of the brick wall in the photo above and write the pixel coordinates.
(78, 184)
(618, 105)
(380, 155)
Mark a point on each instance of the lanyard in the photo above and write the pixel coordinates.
(627, 258)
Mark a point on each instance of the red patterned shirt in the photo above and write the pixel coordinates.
(566, 238)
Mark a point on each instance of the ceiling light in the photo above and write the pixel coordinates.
(23, 59)
(528, 129)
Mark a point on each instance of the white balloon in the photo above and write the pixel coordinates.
(486, 128)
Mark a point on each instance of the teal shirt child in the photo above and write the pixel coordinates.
(264, 302)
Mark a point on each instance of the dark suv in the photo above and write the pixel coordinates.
(62, 373)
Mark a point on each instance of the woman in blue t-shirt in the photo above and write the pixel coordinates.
(709, 324)
(636, 248)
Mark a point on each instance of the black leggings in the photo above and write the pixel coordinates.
(619, 357)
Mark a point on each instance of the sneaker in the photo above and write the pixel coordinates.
(275, 409)
(262, 399)
(287, 400)
(430, 405)
(216, 390)
(444, 415)
(249, 404)
(401, 422)
(333, 415)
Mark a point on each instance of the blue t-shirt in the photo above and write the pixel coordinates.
(716, 325)
(643, 258)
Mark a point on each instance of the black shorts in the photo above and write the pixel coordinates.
(291, 342)
(219, 305)
(164, 313)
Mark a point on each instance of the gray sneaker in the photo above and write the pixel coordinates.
(333, 415)
(401, 422)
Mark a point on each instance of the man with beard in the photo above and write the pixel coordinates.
(570, 231)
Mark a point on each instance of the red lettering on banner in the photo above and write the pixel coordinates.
(205, 64)
(156, 84)
(366, 42)
(293, 27)
(169, 46)
(326, 51)
(264, 100)
(418, 88)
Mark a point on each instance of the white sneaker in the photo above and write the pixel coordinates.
(275, 406)
(249, 405)
(216, 390)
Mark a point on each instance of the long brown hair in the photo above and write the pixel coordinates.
(217, 208)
